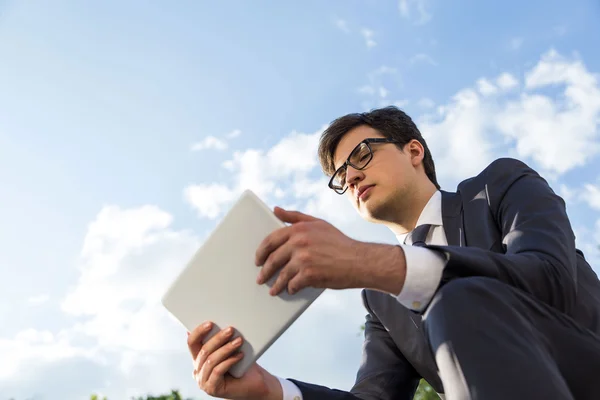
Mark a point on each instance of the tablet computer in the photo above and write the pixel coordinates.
(219, 284)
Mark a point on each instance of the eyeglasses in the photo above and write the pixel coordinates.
(359, 158)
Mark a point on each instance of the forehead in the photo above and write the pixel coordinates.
(350, 140)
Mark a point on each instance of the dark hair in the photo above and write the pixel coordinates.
(390, 121)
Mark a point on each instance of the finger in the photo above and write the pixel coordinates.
(218, 374)
(217, 357)
(297, 282)
(196, 337)
(292, 216)
(284, 277)
(271, 243)
(276, 260)
(215, 342)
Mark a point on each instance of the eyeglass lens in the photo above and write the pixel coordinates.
(359, 159)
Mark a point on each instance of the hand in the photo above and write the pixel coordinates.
(214, 358)
(310, 252)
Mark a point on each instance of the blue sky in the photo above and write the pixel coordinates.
(128, 128)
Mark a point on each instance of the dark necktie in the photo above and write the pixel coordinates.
(419, 234)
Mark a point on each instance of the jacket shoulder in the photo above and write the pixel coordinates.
(499, 174)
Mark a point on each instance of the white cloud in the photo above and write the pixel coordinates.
(120, 333)
(587, 239)
(208, 199)
(382, 82)
(384, 69)
(455, 127)
(422, 58)
(234, 133)
(567, 193)
(32, 346)
(342, 25)
(210, 142)
(401, 103)
(559, 132)
(486, 87)
(415, 10)
(214, 143)
(367, 89)
(515, 43)
(368, 35)
(39, 299)
(506, 81)
(267, 173)
(426, 102)
(591, 195)
(128, 257)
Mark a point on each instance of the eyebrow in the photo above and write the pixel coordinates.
(335, 168)
(346, 158)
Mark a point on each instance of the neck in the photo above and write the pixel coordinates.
(406, 219)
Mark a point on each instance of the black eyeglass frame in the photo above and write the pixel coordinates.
(367, 141)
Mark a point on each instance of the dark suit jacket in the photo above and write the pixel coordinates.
(506, 223)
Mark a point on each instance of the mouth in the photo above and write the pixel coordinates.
(363, 192)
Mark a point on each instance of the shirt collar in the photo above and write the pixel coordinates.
(431, 214)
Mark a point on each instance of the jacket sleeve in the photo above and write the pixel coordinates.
(539, 244)
(384, 373)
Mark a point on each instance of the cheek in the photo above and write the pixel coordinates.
(351, 199)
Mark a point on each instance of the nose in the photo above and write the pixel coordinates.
(353, 176)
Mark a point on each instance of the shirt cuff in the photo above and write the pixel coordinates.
(290, 390)
(424, 269)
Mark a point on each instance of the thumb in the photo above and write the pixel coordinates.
(292, 217)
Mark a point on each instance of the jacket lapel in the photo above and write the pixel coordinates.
(452, 218)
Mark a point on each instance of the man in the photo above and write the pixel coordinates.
(486, 297)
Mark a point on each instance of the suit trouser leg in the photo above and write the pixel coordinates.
(492, 341)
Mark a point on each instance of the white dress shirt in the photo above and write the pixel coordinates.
(424, 269)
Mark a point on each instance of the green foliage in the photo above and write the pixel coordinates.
(174, 395)
(425, 392)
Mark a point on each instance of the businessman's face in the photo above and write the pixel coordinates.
(390, 176)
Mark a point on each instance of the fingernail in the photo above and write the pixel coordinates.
(237, 341)
(206, 325)
(259, 279)
(188, 334)
(229, 331)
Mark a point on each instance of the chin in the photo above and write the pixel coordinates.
(375, 210)
(370, 210)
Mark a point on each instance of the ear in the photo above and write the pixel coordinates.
(416, 151)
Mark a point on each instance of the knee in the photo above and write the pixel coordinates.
(462, 294)
(463, 288)
(458, 306)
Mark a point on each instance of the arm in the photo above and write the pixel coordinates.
(384, 373)
(540, 255)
